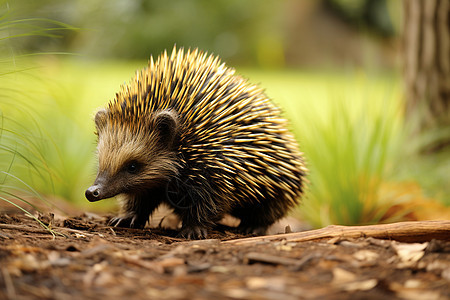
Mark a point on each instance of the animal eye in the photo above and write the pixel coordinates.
(132, 167)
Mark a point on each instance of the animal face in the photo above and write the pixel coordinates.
(133, 159)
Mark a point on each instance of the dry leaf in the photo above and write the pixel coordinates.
(284, 247)
(150, 265)
(364, 285)
(273, 283)
(28, 263)
(346, 281)
(171, 262)
(366, 255)
(342, 276)
(410, 252)
(412, 284)
(411, 290)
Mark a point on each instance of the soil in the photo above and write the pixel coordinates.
(86, 259)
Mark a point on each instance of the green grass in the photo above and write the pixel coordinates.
(349, 125)
(49, 142)
(22, 143)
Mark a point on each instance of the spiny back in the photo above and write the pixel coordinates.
(196, 85)
(227, 125)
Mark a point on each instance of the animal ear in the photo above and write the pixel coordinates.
(100, 120)
(167, 125)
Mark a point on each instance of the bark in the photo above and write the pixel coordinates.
(427, 62)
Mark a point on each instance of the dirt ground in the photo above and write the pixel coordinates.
(88, 260)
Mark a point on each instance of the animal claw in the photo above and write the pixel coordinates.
(117, 222)
(193, 232)
(256, 230)
(127, 222)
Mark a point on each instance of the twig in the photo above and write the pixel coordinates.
(419, 231)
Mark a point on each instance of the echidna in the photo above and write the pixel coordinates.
(190, 133)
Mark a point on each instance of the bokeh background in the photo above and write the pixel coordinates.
(269, 34)
(336, 67)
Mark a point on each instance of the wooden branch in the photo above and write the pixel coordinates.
(420, 231)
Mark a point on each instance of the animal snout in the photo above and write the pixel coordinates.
(93, 193)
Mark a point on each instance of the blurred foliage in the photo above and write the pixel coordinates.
(22, 144)
(248, 32)
(371, 15)
(134, 29)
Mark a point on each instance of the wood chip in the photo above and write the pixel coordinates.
(294, 264)
(253, 257)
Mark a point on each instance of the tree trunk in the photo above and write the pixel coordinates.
(427, 63)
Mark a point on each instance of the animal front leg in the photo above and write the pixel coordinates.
(195, 205)
(197, 219)
(194, 232)
(136, 210)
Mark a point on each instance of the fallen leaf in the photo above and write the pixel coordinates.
(29, 263)
(346, 280)
(412, 284)
(334, 240)
(364, 285)
(365, 255)
(352, 244)
(410, 290)
(342, 276)
(150, 265)
(220, 269)
(410, 252)
(171, 262)
(272, 283)
(284, 247)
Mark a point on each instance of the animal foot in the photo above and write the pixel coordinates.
(256, 230)
(193, 232)
(132, 221)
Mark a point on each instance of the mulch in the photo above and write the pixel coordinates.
(85, 259)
